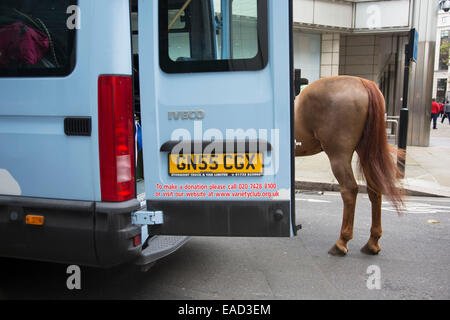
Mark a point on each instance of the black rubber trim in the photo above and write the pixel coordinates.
(223, 218)
(134, 70)
(101, 207)
(248, 146)
(117, 207)
(293, 146)
(50, 204)
(67, 235)
(98, 234)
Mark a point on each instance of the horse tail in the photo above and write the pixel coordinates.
(375, 153)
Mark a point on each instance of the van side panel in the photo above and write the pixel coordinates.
(45, 172)
(37, 159)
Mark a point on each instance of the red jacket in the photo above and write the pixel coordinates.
(434, 108)
(441, 107)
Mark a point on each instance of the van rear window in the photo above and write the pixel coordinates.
(37, 38)
(213, 35)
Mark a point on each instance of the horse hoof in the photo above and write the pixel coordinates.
(370, 251)
(335, 251)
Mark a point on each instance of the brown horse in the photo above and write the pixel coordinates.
(341, 115)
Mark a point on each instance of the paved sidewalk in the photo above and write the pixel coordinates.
(427, 169)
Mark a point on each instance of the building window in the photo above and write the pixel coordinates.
(441, 90)
(444, 50)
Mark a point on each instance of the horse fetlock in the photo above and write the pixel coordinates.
(371, 248)
(346, 236)
(338, 250)
(375, 234)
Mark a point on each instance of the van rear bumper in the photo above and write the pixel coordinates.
(95, 234)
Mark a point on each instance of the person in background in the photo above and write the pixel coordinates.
(446, 112)
(441, 109)
(434, 113)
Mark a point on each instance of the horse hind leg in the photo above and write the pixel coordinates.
(342, 170)
(373, 246)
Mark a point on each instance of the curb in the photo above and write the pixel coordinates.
(334, 187)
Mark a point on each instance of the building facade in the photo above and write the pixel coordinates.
(368, 39)
(441, 69)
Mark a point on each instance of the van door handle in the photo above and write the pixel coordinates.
(78, 126)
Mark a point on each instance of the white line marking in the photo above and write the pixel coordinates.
(417, 207)
(313, 200)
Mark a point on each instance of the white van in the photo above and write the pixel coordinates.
(208, 81)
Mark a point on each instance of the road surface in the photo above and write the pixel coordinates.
(414, 263)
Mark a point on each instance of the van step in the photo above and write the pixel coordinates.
(160, 247)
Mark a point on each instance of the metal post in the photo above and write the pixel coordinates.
(410, 55)
(227, 9)
(404, 118)
(215, 27)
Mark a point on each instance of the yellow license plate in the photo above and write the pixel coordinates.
(216, 165)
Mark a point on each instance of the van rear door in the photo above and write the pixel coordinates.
(217, 116)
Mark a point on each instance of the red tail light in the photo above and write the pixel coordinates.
(116, 138)
(137, 241)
